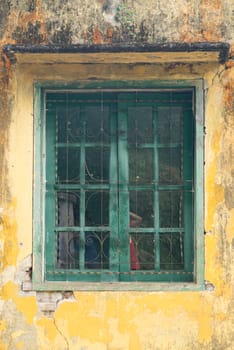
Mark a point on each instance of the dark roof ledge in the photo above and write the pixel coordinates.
(119, 53)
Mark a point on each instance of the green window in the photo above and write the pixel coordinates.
(117, 184)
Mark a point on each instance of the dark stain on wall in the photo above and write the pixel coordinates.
(4, 11)
(62, 35)
(31, 5)
(107, 6)
(6, 101)
(229, 196)
(30, 36)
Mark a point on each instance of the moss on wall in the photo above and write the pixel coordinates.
(152, 21)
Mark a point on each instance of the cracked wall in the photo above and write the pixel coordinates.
(114, 320)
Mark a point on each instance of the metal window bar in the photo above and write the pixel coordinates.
(122, 251)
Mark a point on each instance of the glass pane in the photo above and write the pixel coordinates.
(171, 209)
(97, 250)
(170, 167)
(171, 251)
(169, 124)
(97, 208)
(141, 206)
(140, 125)
(97, 164)
(68, 250)
(97, 124)
(68, 165)
(141, 166)
(142, 251)
(68, 208)
(69, 127)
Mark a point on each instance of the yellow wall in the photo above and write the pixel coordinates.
(120, 320)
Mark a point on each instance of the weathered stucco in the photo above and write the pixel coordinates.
(78, 21)
(115, 320)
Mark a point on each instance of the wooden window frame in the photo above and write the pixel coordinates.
(39, 281)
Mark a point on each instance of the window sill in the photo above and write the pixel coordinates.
(114, 286)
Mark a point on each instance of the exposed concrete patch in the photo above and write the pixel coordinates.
(24, 270)
(7, 275)
(17, 329)
(209, 286)
(48, 302)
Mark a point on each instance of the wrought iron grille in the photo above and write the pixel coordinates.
(119, 185)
